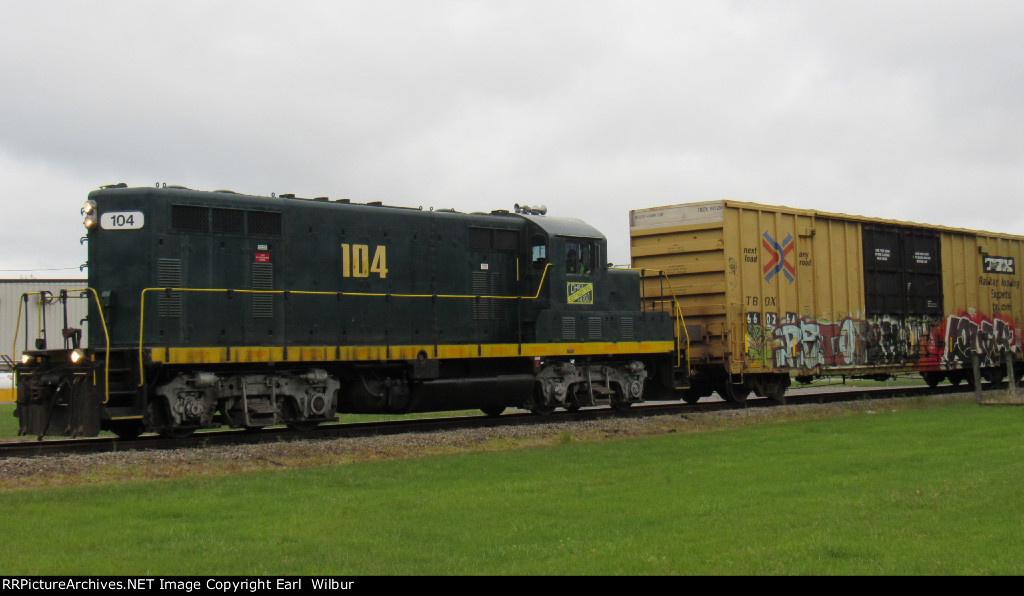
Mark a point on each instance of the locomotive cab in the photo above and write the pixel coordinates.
(587, 313)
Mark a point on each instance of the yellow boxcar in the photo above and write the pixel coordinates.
(771, 293)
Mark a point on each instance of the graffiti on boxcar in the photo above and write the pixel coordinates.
(758, 339)
(794, 342)
(804, 343)
(970, 333)
(902, 340)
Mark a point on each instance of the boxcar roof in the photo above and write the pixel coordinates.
(826, 215)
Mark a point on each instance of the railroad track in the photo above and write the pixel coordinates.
(48, 448)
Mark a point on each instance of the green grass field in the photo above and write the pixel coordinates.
(922, 491)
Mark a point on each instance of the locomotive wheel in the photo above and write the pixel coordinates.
(493, 411)
(619, 402)
(177, 433)
(127, 429)
(303, 426)
(572, 404)
(535, 404)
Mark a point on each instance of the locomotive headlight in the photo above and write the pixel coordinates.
(25, 359)
(77, 356)
(89, 211)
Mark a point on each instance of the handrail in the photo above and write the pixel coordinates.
(103, 323)
(142, 302)
(681, 324)
(681, 330)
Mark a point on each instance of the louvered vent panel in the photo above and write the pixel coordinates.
(481, 306)
(263, 279)
(499, 287)
(568, 327)
(594, 327)
(168, 275)
(489, 284)
(626, 328)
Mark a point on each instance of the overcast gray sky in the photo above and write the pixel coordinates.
(907, 110)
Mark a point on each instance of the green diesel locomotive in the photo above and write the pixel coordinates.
(216, 308)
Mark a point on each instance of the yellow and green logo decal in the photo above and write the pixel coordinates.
(580, 293)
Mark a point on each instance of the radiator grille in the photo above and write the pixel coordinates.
(264, 223)
(229, 221)
(187, 218)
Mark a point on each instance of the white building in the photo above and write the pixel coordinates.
(42, 314)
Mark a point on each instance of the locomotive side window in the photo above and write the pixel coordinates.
(540, 250)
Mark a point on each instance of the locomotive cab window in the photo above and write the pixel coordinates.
(580, 256)
(539, 245)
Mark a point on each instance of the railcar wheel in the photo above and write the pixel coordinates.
(621, 406)
(697, 391)
(994, 375)
(955, 378)
(493, 411)
(733, 392)
(932, 379)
